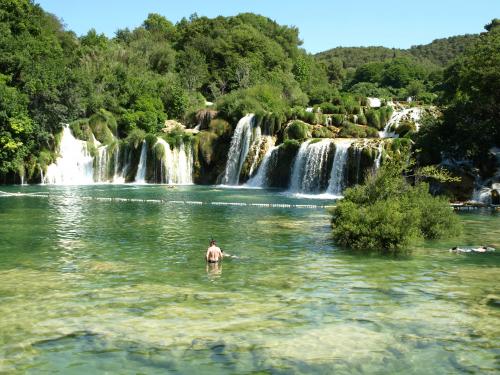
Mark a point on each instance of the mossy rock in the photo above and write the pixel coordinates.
(103, 125)
(280, 166)
(219, 127)
(80, 130)
(210, 155)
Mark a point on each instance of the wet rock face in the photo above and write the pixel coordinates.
(281, 165)
(495, 196)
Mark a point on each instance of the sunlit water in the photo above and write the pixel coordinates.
(121, 287)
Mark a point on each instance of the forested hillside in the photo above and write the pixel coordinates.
(439, 52)
(136, 80)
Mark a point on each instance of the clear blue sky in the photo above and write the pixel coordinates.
(323, 24)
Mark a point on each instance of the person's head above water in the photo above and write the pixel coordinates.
(212, 242)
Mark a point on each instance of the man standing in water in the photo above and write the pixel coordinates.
(214, 254)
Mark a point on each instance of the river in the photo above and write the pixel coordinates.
(95, 286)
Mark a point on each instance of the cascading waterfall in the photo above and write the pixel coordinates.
(260, 178)
(309, 166)
(337, 176)
(414, 114)
(176, 165)
(140, 177)
(238, 150)
(118, 175)
(102, 164)
(483, 189)
(256, 146)
(74, 166)
(358, 151)
(378, 159)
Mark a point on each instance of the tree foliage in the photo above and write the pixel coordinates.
(388, 214)
(469, 126)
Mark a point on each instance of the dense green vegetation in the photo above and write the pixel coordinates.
(386, 72)
(389, 214)
(140, 77)
(439, 52)
(471, 91)
(125, 87)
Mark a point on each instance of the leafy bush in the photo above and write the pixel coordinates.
(350, 130)
(373, 118)
(297, 130)
(328, 108)
(405, 127)
(362, 119)
(338, 119)
(389, 215)
(260, 98)
(103, 125)
(135, 137)
(385, 113)
(81, 129)
(322, 132)
(219, 126)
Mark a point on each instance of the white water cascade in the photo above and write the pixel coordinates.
(309, 165)
(378, 159)
(118, 175)
(260, 178)
(74, 166)
(414, 114)
(102, 164)
(176, 165)
(240, 144)
(255, 148)
(337, 180)
(483, 189)
(140, 177)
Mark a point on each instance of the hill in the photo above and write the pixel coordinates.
(439, 52)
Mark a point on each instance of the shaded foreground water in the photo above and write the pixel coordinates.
(90, 286)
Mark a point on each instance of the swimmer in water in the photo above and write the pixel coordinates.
(214, 254)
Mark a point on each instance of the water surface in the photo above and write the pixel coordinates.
(90, 286)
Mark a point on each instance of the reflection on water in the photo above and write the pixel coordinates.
(94, 287)
(214, 270)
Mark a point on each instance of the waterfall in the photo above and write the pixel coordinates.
(74, 166)
(176, 166)
(256, 146)
(358, 151)
(121, 174)
(117, 173)
(102, 164)
(42, 179)
(309, 166)
(260, 179)
(240, 144)
(378, 159)
(483, 189)
(140, 177)
(414, 114)
(183, 171)
(337, 176)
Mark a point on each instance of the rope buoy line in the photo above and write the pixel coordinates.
(163, 201)
(4, 194)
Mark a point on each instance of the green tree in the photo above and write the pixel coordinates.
(469, 126)
(388, 214)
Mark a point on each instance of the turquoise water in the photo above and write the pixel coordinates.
(90, 286)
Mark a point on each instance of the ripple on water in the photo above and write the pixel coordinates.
(122, 288)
